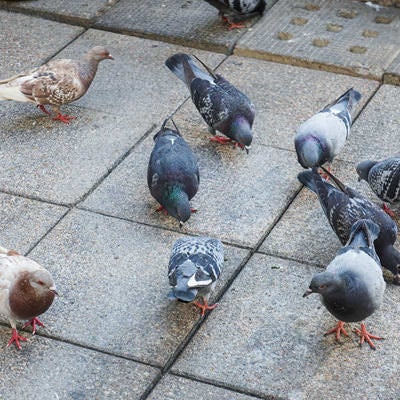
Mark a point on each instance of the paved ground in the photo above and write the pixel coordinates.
(74, 198)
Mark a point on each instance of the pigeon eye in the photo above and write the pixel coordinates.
(322, 286)
(41, 283)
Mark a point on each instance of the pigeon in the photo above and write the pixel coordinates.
(352, 286)
(56, 83)
(383, 178)
(233, 11)
(223, 107)
(194, 267)
(173, 174)
(26, 291)
(319, 139)
(344, 206)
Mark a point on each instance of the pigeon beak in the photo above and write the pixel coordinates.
(180, 224)
(110, 57)
(247, 148)
(307, 292)
(359, 179)
(53, 289)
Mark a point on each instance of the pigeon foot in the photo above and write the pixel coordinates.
(33, 323)
(366, 336)
(161, 208)
(15, 338)
(204, 306)
(337, 330)
(43, 108)
(232, 25)
(388, 211)
(220, 139)
(63, 118)
(324, 175)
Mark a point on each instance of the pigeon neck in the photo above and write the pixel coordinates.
(176, 202)
(26, 302)
(87, 70)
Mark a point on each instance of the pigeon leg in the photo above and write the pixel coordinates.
(15, 338)
(63, 118)
(388, 211)
(204, 306)
(337, 330)
(193, 210)
(232, 25)
(33, 323)
(366, 336)
(43, 108)
(324, 175)
(161, 208)
(220, 139)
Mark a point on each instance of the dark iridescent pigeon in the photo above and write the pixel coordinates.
(233, 11)
(173, 174)
(320, 138)
(352, 286)
(222, 106)
(194, 267)
(383, 178)
(344, 206)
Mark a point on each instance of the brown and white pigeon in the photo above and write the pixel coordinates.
(55, 83)
(26, 291)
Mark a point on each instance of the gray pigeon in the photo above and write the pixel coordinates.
(343, 206)
(352, 286)
(194, 267)
(223, 107)
(383, 178)
(56, 83)
(173, 174)
(234, 11)
(319, 139)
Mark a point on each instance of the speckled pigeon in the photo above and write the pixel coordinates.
(343, 206)
(222, 106)
(173, 174)
(26, 291)
(352, 286)
(319, 139)
(194, 267)
(233, 11)
(56, 83)
(383, 178)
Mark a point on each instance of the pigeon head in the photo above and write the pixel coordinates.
(99, 53)
(32, 294)
(363, 169)
(176, 202)
(310, 152)
(390, 259)
(324, 283)
(241, 132)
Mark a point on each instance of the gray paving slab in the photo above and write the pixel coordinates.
(177, 388)
(22, 48)
(326, 34)
(23, 221)
(267, 340)
(50, 369)
(311, 238)
(112, 278)
(392, 74)
(375, 135)
(77, 12)
(192, 23)
(285, 96)
(240, 195)
(59, 162)
(136, 84)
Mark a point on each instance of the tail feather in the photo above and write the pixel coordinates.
(8, 92)
(179, 62)
(363, 234)
(345, 102)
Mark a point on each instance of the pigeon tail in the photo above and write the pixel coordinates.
(183, 66)
(8, 92)
(363, 234)
(345, 102)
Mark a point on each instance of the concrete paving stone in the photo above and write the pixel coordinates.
(22, 49)
(136, 84)
(177, 388)
(375, 135)
(326, 34)
(49, 370)
(60, 162)
(392, 74)
(267, 340)
(78, 11)
(113, 285)
(187, 22)
(23, 222)
(311, 238)
(239, 198)
(285, 96)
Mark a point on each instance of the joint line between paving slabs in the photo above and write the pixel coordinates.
(35, 198)
(182, 346)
